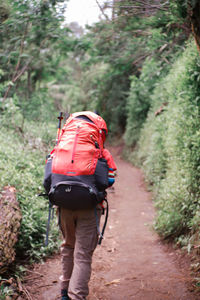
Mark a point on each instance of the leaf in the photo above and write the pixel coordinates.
(24, 55)
(9, 83)
(115, 281)
(15, 39)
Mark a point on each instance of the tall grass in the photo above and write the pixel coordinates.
(169, 147)
(22, 157)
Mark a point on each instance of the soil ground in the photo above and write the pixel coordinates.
(132, 262)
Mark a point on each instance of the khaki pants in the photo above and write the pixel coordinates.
(80, 235)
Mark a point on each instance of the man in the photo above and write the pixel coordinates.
(80, 155)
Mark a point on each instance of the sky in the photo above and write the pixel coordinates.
(82, 11)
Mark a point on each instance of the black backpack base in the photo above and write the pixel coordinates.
(74, 195)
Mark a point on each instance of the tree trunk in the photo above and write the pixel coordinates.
(10, 217)
(29, 84)
(194, 13)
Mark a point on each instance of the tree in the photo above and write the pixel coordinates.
(30, 36)
(194, 15)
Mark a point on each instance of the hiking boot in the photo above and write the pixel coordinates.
(64, 295)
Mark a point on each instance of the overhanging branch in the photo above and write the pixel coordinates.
(101, 9)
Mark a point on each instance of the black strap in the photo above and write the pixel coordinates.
(105, 223)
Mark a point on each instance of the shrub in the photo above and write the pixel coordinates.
(171, 160)
(22, 166)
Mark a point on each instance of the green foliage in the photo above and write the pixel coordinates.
(171, 160)
(179, 8)
(32, 42)
(22, 166)
(93, 79)
(5, 291)
(32, 45)
(139, 99)
(4, 10)
(160, 57)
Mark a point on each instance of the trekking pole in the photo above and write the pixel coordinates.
(60, 117)
(48, 224)
(51, 208)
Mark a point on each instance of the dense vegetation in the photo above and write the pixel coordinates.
(140, 69)
(32, 42)
(168, 147)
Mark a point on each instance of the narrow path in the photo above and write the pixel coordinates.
(132, 263)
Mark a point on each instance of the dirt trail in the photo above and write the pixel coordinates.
(132, 263)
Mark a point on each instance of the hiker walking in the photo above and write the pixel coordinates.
(78, 171)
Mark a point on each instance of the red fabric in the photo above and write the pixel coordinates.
(97, 120)
(110, 161)
(76, 153)
(77, 144)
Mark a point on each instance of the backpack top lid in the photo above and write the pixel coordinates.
(96, 119)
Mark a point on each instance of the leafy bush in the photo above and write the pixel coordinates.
(139, 99)
(22, 166)
(171, 160)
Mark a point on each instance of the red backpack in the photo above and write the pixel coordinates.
(76, 173)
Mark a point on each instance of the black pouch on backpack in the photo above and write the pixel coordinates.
(74, 195)
(47, 175)
(101, 174)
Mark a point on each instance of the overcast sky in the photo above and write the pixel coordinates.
(82, 11)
